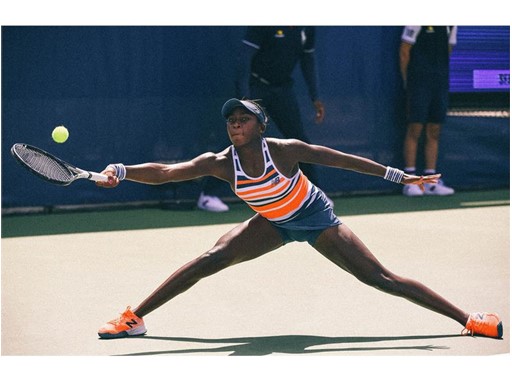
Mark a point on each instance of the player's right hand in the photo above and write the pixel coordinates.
(112, 182)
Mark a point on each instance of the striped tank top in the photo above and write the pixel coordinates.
(273, 195)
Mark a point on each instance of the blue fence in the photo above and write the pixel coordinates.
(138, 94)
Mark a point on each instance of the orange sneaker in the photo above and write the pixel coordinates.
(484, 324)
(126, 325)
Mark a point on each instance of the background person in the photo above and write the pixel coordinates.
(424, 65)
(269, 55)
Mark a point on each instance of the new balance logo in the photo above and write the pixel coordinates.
(131, 323)
(275, 181)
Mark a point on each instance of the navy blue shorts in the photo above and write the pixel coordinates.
(310, 235)
(318, 216)
(427, 99)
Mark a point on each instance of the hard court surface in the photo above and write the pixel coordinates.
(291, 301)
(57, 290)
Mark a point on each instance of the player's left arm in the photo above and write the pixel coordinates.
(325, 156)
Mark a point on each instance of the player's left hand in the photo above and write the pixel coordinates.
(320, 111)
(420, 180)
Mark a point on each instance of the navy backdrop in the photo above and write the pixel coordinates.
(137, 94)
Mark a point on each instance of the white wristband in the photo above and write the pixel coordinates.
(119, 169)
(394, 175)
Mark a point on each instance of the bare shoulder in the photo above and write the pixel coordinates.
(286, 146)
(286, 154)
(211, 157)
(217, 164)
(292, 151)
(292, 148)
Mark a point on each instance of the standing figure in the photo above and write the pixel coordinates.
(424, 65)
(269, 55)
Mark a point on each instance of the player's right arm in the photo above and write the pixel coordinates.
(207, 164)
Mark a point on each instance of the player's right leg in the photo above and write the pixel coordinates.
(247, 241)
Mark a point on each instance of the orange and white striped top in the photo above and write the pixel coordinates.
(272, 195)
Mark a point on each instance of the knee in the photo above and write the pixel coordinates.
(433, 132)
(214, 260)
(414, 131)
(385, 282)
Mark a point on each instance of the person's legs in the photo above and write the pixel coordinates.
(435, 119)
(412, 138)
(247, 241)
(432, 133)
(410, 152)
(437, 109)
(341, 246)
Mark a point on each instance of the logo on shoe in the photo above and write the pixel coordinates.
(131, 323)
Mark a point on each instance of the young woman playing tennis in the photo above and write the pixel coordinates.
(265, 173)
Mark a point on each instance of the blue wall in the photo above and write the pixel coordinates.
(137, 94)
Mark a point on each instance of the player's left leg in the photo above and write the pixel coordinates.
(341, 246)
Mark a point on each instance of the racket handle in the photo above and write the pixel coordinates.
(97, 177)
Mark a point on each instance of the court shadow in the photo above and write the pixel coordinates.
(289, 344)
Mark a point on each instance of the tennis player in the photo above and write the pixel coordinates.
(264, 172)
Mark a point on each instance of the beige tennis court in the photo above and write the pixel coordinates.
(57, 290)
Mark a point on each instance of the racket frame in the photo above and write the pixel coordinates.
(74, 172)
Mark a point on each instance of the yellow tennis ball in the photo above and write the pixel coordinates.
(60, 134)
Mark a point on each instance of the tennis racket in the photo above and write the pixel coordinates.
(50, 168)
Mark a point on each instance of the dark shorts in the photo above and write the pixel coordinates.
(308, 226)
(309, 235)
(427, 99)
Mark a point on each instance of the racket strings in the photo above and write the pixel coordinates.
(44, 165)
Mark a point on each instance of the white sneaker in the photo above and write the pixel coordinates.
(412, 190)
(438, 189)
(211, 203)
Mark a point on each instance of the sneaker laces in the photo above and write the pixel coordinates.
(117, 320)
(466, 332)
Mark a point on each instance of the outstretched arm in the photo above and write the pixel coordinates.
(321, 155)
(208, 164)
